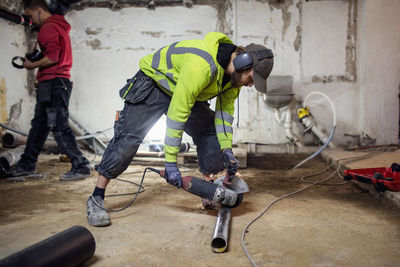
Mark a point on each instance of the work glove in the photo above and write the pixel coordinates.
(172, 174)
(230, 162)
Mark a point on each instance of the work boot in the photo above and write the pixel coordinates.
(18, 170)
(96, 215)
(76, 174)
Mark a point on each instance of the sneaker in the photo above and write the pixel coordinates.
(208, 204)
(19, 171)
(76, 174)
(97, 216)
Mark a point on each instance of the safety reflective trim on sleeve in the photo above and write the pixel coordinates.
(172, 49)
(159, 73)
(169, 54)
(164, 83)
(220, 129)
(172, 141)
(156, 59)
(171, 77)
(226, 116)
(175, 125)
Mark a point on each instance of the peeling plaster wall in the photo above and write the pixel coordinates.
(107, 46)
(315, 42)
(309, 40)
(331, 46)
(257, 121)
(16, 105)
(379, 69)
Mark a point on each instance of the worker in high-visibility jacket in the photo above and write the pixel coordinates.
(178, 80)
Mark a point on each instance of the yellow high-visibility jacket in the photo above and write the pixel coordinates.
(189, 72)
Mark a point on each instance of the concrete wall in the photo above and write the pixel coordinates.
(335, 47)
(16, 101)
(379, 68)
(107, 47)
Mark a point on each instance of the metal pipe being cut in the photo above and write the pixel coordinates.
(219, 241)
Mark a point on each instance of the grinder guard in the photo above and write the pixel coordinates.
(237, 184)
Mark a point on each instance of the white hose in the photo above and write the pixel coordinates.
(332, 131)
(327, 98)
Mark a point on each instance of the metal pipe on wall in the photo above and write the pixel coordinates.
(94, 143)
(219, 241)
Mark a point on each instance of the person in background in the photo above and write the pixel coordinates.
(53, 94)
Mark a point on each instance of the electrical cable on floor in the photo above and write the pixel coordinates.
(340, 163)
(95, 154)
(265, 210)
(140, 190)
(319, 172)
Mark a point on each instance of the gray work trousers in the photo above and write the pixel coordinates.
(147, 103)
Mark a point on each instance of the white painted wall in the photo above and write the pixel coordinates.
(13, 82)
(379, 68)
(321, 53)
(310, 40)
(107, 47)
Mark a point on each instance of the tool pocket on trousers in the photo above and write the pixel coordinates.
(44, 92)
(61, 92)
(119, 122)
(137, 89)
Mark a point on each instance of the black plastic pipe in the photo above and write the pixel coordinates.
(71, 247)
(16, 18)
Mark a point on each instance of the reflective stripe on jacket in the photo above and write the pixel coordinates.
(189, 72)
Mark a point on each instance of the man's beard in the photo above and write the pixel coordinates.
(235, 78)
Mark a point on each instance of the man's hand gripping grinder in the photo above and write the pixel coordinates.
(227, 190)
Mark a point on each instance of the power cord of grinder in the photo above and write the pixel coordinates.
(340, 163)
(330, 135)
(140, 186)
(140, 190)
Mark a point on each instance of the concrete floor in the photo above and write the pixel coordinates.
(324, 226)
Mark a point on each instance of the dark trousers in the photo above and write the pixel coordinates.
(139, 115)
(51, 114)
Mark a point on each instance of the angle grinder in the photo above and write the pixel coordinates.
(227, 190)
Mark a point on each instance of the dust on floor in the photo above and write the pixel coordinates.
(323, 226)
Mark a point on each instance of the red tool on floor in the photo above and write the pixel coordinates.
(382, 178)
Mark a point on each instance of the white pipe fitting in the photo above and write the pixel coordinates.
(286, 116)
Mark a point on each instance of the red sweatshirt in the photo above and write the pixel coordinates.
(54, 42)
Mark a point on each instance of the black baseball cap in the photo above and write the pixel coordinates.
(263, 61)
